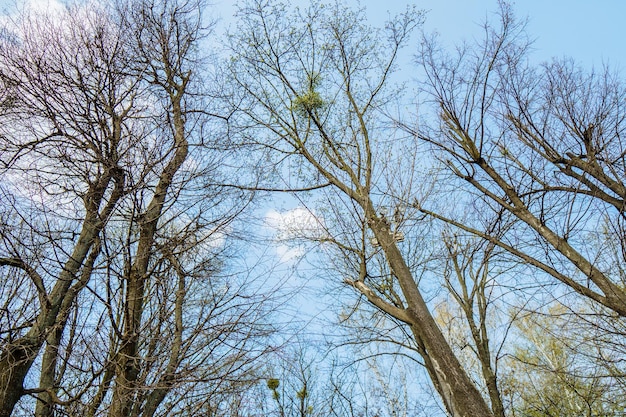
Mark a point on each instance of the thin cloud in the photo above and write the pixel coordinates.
(291, 229)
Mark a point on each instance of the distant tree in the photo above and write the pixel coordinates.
(553, 370)
(304, 380)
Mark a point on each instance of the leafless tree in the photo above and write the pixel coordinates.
(65, 161)
(473, 287)
(541, 145)
(115, 230)
(534, 153)
(315, 93)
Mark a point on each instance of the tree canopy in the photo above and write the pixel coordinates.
(467, 252)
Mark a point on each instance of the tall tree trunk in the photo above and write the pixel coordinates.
(128, 365)
(17, 359)
(157, 395)
(49, 379)
(459, 394)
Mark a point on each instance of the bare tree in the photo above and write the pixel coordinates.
(534, 153)
(64, 164)
(472, 285)
(116, 230)
(315, 93)
(541, 145)
(165, 37)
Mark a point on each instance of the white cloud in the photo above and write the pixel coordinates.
(297, 223)
(287, 254)
(291, 228)
(38, 7)
(45, 6)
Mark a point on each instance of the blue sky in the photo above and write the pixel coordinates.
(592, 32)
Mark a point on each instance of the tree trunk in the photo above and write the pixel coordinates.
(14, 365)
(17, 359)
(128, 365)
(459, 394)
(47, 380)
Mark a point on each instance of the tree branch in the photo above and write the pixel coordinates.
(33, 275)
(398, 313)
